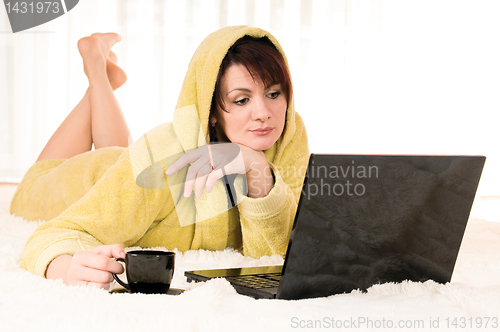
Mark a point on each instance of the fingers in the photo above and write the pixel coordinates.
(97, 262)
(111, 251)
(212, 179)
(187, 158)
(201, 179)
(197, 174)
(94, 268)
(201, 173)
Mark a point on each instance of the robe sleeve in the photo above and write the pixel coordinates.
(115, 210)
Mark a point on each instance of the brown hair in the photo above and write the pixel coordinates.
(262, 59)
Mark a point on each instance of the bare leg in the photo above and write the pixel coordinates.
(97, 119)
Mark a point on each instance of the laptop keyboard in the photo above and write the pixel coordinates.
(257, 281)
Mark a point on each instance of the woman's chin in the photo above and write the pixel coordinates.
(257, 144)
(261, 146)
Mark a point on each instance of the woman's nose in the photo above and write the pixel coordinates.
(261, 111)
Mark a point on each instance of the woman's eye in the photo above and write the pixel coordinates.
(274, 95)
(241, 102)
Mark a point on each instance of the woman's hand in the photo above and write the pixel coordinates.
(92, 268)
(211, 162)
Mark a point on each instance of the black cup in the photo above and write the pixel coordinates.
(148, 272)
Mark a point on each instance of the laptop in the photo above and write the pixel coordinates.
(368, 219)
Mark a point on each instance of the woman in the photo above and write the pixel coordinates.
(237, 90)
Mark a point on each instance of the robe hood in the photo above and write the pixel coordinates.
(199, 85)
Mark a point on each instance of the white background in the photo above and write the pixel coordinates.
(380, 76)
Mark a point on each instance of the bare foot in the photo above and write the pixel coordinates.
(98, 60)
(116, 75)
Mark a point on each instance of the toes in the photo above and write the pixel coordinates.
(99, 43)
(107, 35)
(109, 38)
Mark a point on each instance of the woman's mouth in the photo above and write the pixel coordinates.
(262, 131)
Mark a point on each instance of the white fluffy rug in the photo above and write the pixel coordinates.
(29, 303)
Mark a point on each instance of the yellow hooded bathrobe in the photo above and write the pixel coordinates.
(122, 195)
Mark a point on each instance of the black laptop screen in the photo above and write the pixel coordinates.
(365, 220)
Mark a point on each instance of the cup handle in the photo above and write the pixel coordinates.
(116, 277)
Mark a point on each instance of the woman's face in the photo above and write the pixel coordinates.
(255, 114)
